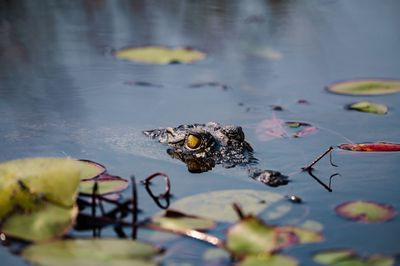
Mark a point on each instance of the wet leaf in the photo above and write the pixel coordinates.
(368, 107)
(365, 211)
(366, 87)
(176, 220)
(330, 257)
(251, 236)
(91, 169)
(347, 257)
(217, 205)
(37, 196)
(371, 147)
(270, 260)
(46, 222)
(22, 181)
(305, 132)
(107, 184)
(297, 124)
(159, 55)
(91, 252)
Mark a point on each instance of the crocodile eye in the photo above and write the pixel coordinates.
(193, 142)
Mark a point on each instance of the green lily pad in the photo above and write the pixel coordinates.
(250, 236)
(270, 260)
(366, 87)
(365, 211)
(91, 252)
(175, 220)
(346, 257)
(106, 185)
(91, 169)
(22, 181)
(47, 222)
(368, 107)
(37, 197)
(159, 55)
(217, 205)
(331, 257)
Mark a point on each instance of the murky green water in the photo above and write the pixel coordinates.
(63, 93)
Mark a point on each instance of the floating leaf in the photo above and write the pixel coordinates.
(160, 55)
(270, 260)
(56, 179)
(107, 184)
(365, 211)
(47, 222)
(368, 107)
(371, 147)
(250, 236)
(305, 131)
(296, 124)
(91, 169)
(366, 87)
(91, 252)
(346, 257)
(176, 220)
(37, 196)
(216, 205)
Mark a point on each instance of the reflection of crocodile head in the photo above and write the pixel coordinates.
(202, 146)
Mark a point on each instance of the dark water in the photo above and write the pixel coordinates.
(63, 93)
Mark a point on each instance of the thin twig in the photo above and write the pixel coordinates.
(94, 192)
(165, 195)
(135, 206)
(318, 180)
(238, 209)
(309, 167)
(213, 240)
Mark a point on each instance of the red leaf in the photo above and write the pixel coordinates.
(269, 129)
(305, 131)
(371, 147)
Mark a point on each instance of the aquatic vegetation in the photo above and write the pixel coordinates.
(159, 55)
(365, 87)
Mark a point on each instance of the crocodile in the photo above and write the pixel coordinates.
(203, 146)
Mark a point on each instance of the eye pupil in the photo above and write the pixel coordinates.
(193, 142)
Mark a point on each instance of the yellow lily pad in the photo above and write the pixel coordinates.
(365, 211)
(368, 107)
(159, 55)
(366, 87)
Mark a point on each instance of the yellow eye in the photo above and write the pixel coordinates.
(193, 142)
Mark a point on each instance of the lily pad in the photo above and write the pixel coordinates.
(176, 220)
(330, 257)
(107, 184)
(270, 260)
(159, 55)
(366, 87)
(250, 236)
(365, 211)
(368, 107)
(37, 197)
(371, 147)
(91, 169)
(55, 179)
(91, 252)
(217, 205)
(47, 222)
(347, 257)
